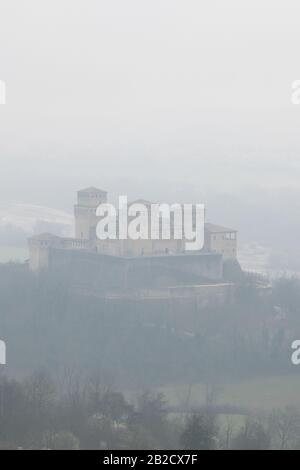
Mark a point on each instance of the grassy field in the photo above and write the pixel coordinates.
(13, 253)
(255, 394)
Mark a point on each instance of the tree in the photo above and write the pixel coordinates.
(252, 436)
(227, 434)
(285, 427)
(200, 432)
(61, 440)
(286, 295)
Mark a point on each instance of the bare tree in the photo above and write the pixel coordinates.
(285, 427)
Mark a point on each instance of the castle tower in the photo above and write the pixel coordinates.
(39, 246)
(85, 212)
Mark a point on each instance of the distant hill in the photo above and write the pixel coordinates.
(18, 221)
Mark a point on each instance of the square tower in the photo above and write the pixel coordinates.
(85, 212)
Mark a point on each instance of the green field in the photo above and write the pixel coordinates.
(255, 394)
(13, 253)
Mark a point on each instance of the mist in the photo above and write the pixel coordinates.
(143, 345)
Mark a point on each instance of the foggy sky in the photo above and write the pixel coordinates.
(165, 98)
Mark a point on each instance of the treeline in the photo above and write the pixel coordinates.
(40, 413)
(46, 324)
(81, 413)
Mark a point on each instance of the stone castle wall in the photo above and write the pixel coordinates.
(96, 271)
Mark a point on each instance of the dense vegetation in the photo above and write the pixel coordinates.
(46, 324)
(88, 348)
(76, 413)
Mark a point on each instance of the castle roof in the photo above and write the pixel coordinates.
(213, 228)
(92, 189)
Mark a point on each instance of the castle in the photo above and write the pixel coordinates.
(218, 239)
(131, 265)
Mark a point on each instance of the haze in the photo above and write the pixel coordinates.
(164, 99)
